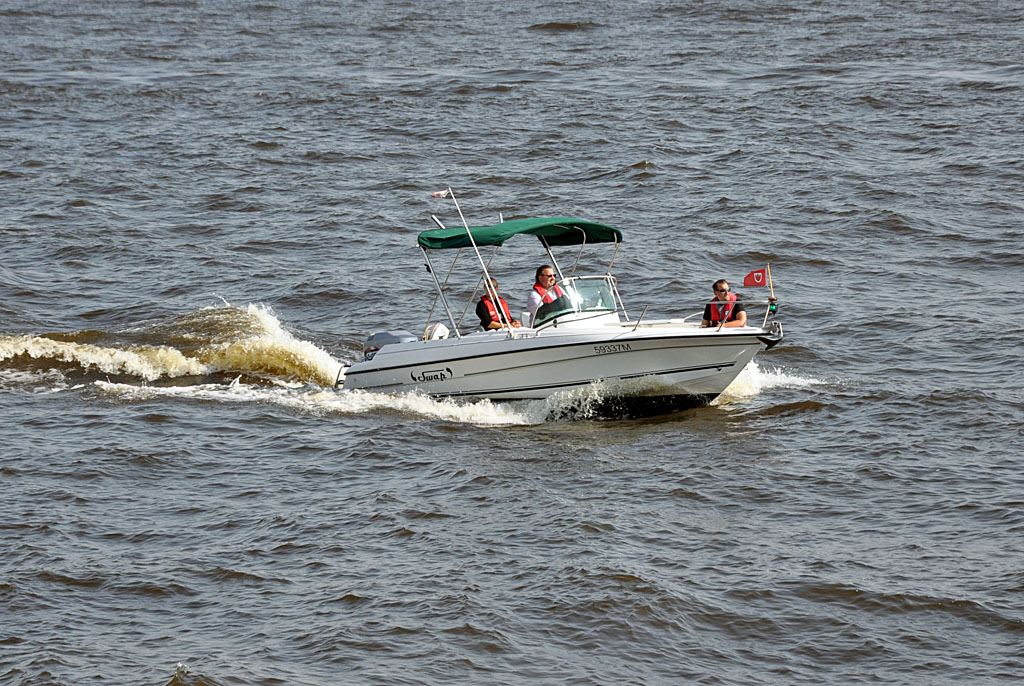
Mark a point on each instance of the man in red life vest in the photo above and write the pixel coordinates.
(545, 290)
(488, 313)
(724, 308)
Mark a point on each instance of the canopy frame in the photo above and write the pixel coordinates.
(551, 231)
(555, 231)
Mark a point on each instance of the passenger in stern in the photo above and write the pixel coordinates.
(545, 290)
(488, 313)
(724, 307)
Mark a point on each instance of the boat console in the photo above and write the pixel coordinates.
(590, 299)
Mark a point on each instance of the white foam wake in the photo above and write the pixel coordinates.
(753, 379)
(37, 381)
(326, 401)
(272, 350)
(248, 340)
(145, 361)
(321, 401)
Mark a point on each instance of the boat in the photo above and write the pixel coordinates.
(584, 339)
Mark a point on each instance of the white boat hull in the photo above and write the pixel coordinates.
(677, 365)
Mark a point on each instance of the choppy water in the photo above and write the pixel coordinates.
(206, 206)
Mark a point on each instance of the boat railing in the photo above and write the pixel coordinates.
(770, 304)
(572, 318)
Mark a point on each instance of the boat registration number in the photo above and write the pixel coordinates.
(612, 348)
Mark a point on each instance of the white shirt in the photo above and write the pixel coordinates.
(533, 301)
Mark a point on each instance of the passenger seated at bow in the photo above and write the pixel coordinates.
(724, 308)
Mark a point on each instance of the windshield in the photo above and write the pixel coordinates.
(580, 294)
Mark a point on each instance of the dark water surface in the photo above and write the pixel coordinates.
(206, 206)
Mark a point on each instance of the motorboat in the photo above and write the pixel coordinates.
(583, 338)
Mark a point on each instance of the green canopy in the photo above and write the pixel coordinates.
(555, 230)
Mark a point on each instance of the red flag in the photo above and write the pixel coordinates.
(758, 277)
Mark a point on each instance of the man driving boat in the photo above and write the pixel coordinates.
(545, 290)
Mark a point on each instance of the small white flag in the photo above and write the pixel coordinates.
(440, 194)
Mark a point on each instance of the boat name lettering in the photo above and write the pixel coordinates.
(612, 348)
(432, 375)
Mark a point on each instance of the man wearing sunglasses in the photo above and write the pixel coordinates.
(545, 290)
(724, 308)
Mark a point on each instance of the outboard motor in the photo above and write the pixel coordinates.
(378, 340)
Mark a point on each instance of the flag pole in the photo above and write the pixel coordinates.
(771, 298)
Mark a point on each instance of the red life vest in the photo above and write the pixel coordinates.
(545, 294)
(493, 311)
(721, 312)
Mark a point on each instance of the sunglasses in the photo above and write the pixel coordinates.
(723, 290)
